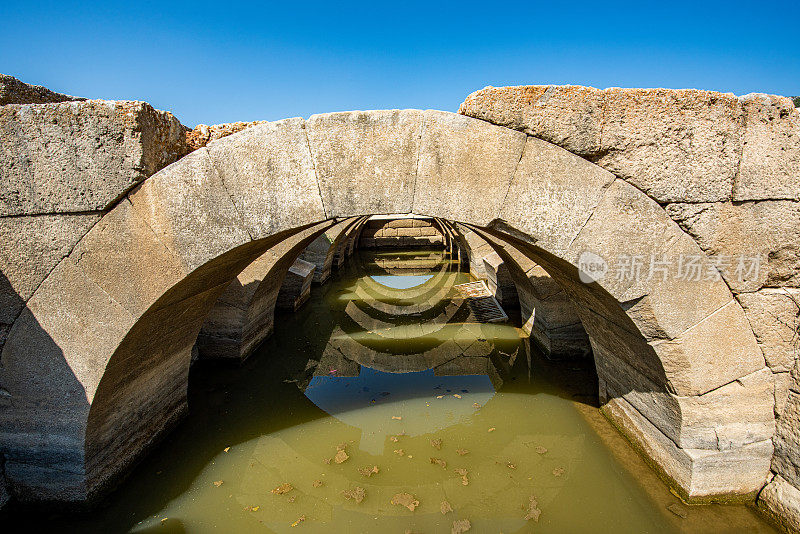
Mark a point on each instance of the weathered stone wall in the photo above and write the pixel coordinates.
(323, 250)
(107, 332)
(244, 315)
(387, 231)
(727, 170)
(62, 165)
(547, 312)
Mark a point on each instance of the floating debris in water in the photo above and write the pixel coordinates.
(368, 471)
(436, 444)
(439, 396)
(283, 488)
(476, 405)
(292, 498)
(251, 508)
(456, 395)
(540, 450)
(533, 510)
(510, 465)
(678, 510)
(299, 520)
(394, 438)
(357, 494)
(341, 456)
(460, 525)
(397, 417)
(446, 508)
(558, 471)
(317, 483)
(463, 472)
(405, 499)
(491, 429)
(462, 452)
(327, 460)
(399, 452)
(218, 483)
(226, 449)
(439, 461)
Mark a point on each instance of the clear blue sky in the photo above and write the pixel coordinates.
(221, 61)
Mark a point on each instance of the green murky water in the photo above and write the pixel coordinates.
(384, 385)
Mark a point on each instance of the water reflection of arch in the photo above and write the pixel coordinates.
(365, 334)
(382, 328)
(420, 300)
(346, 355)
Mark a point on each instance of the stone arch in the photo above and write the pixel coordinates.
(121, 312)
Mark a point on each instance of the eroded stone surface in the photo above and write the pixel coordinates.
(266, 166)
(366, 161)
(781, 500)
(786, 461)
(30, 247)
(771, 149)
(80, 156)
(202, 134)
(774, 315)
(14, 91)
(675, 145)
(758, 243)
(460, 159)
(296, 287)
(700, 474)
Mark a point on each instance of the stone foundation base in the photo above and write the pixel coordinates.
(698, 476)
(780, 500)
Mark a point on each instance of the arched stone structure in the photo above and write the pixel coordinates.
(96, 365)
(547, 313)
(323, 250)
(243, 316)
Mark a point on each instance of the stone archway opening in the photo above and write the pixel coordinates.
(699, 406)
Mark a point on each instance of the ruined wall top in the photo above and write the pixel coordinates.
(14, 91)
(676, 145)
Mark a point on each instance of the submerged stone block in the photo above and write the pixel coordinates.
(699, 475)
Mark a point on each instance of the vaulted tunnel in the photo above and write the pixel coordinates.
(165, 267)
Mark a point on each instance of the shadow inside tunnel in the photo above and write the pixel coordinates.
(274, 390)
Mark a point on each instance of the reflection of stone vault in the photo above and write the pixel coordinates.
(379, 335)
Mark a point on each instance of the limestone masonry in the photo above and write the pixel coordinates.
(125, 238)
